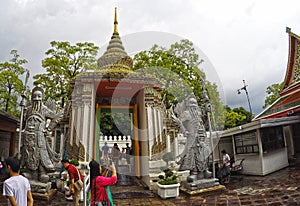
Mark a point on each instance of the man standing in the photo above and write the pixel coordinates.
(128, 151)
(105, 150)
(115, 152)
(226, 166)
(16, 188)
(74, 176)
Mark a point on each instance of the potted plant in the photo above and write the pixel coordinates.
(168, 185)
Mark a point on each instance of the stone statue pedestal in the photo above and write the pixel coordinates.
(39, 187)
(42, 191)
(201, 186)
(44, 196)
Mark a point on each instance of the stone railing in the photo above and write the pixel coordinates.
(110, 140)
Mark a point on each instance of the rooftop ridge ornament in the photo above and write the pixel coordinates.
(116, 32)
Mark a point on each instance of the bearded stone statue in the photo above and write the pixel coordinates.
(36, 155)
(196, 150)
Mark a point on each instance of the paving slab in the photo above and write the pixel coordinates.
(279, 188)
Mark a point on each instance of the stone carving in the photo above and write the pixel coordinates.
(36, 155)
(196, 150)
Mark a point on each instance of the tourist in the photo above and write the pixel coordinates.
(128, 153)
(115, 154)
(105, 150)
(226, 166)
(74, 175)
(99, 183)
(16, 188)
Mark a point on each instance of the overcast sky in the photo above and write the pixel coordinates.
(240, 39)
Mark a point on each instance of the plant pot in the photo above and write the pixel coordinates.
(167, 191)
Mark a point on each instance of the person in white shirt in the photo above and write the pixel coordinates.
(226, 165)
(16, 188)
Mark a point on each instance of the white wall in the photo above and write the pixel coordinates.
(252, 164)
(274, 160)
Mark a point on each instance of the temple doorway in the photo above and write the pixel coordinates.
(119, 125)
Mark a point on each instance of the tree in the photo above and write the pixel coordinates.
(178, 69)
(273, 92)
(63, 63)
(11, 86)
(236, 117)
(115, 123)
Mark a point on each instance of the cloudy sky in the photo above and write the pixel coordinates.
(240, 39)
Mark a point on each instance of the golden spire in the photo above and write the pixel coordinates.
(116, 22)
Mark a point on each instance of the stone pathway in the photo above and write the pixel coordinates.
(279, 188)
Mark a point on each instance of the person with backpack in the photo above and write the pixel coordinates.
(115, 154)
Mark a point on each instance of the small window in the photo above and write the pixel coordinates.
(246, 143)
(272, 138)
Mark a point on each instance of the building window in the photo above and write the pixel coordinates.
(272, 138)
(246, 143)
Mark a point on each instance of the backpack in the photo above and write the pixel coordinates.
(115, 152)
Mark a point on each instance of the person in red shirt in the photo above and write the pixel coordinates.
(98, 182)
(74, 175)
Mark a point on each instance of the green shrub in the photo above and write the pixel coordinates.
(169, 178)
(74, 162)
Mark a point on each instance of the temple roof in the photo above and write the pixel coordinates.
(289, 101)
(115, 56)
(292, 76)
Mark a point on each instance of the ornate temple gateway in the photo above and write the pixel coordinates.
(116, 89)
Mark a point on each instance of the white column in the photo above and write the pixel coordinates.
(168, 143)
(176, 149)
(159, 126)
(85, 128)
(72, 125)
(150, 129)
(155, 127)
(62, 137)
(92, 131)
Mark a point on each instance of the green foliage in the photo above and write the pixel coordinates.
(181, 59)
(178, 70)
(63, 63)
(11, 85)
(273, 92)
(169, 178)
(236, 117)
(74, 162)
(115, 124)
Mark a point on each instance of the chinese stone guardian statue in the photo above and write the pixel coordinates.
(37, 157)
(196, 151)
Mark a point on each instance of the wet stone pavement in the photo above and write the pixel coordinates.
(279, 188)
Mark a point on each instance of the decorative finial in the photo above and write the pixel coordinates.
(116, 22)
(288, 30)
